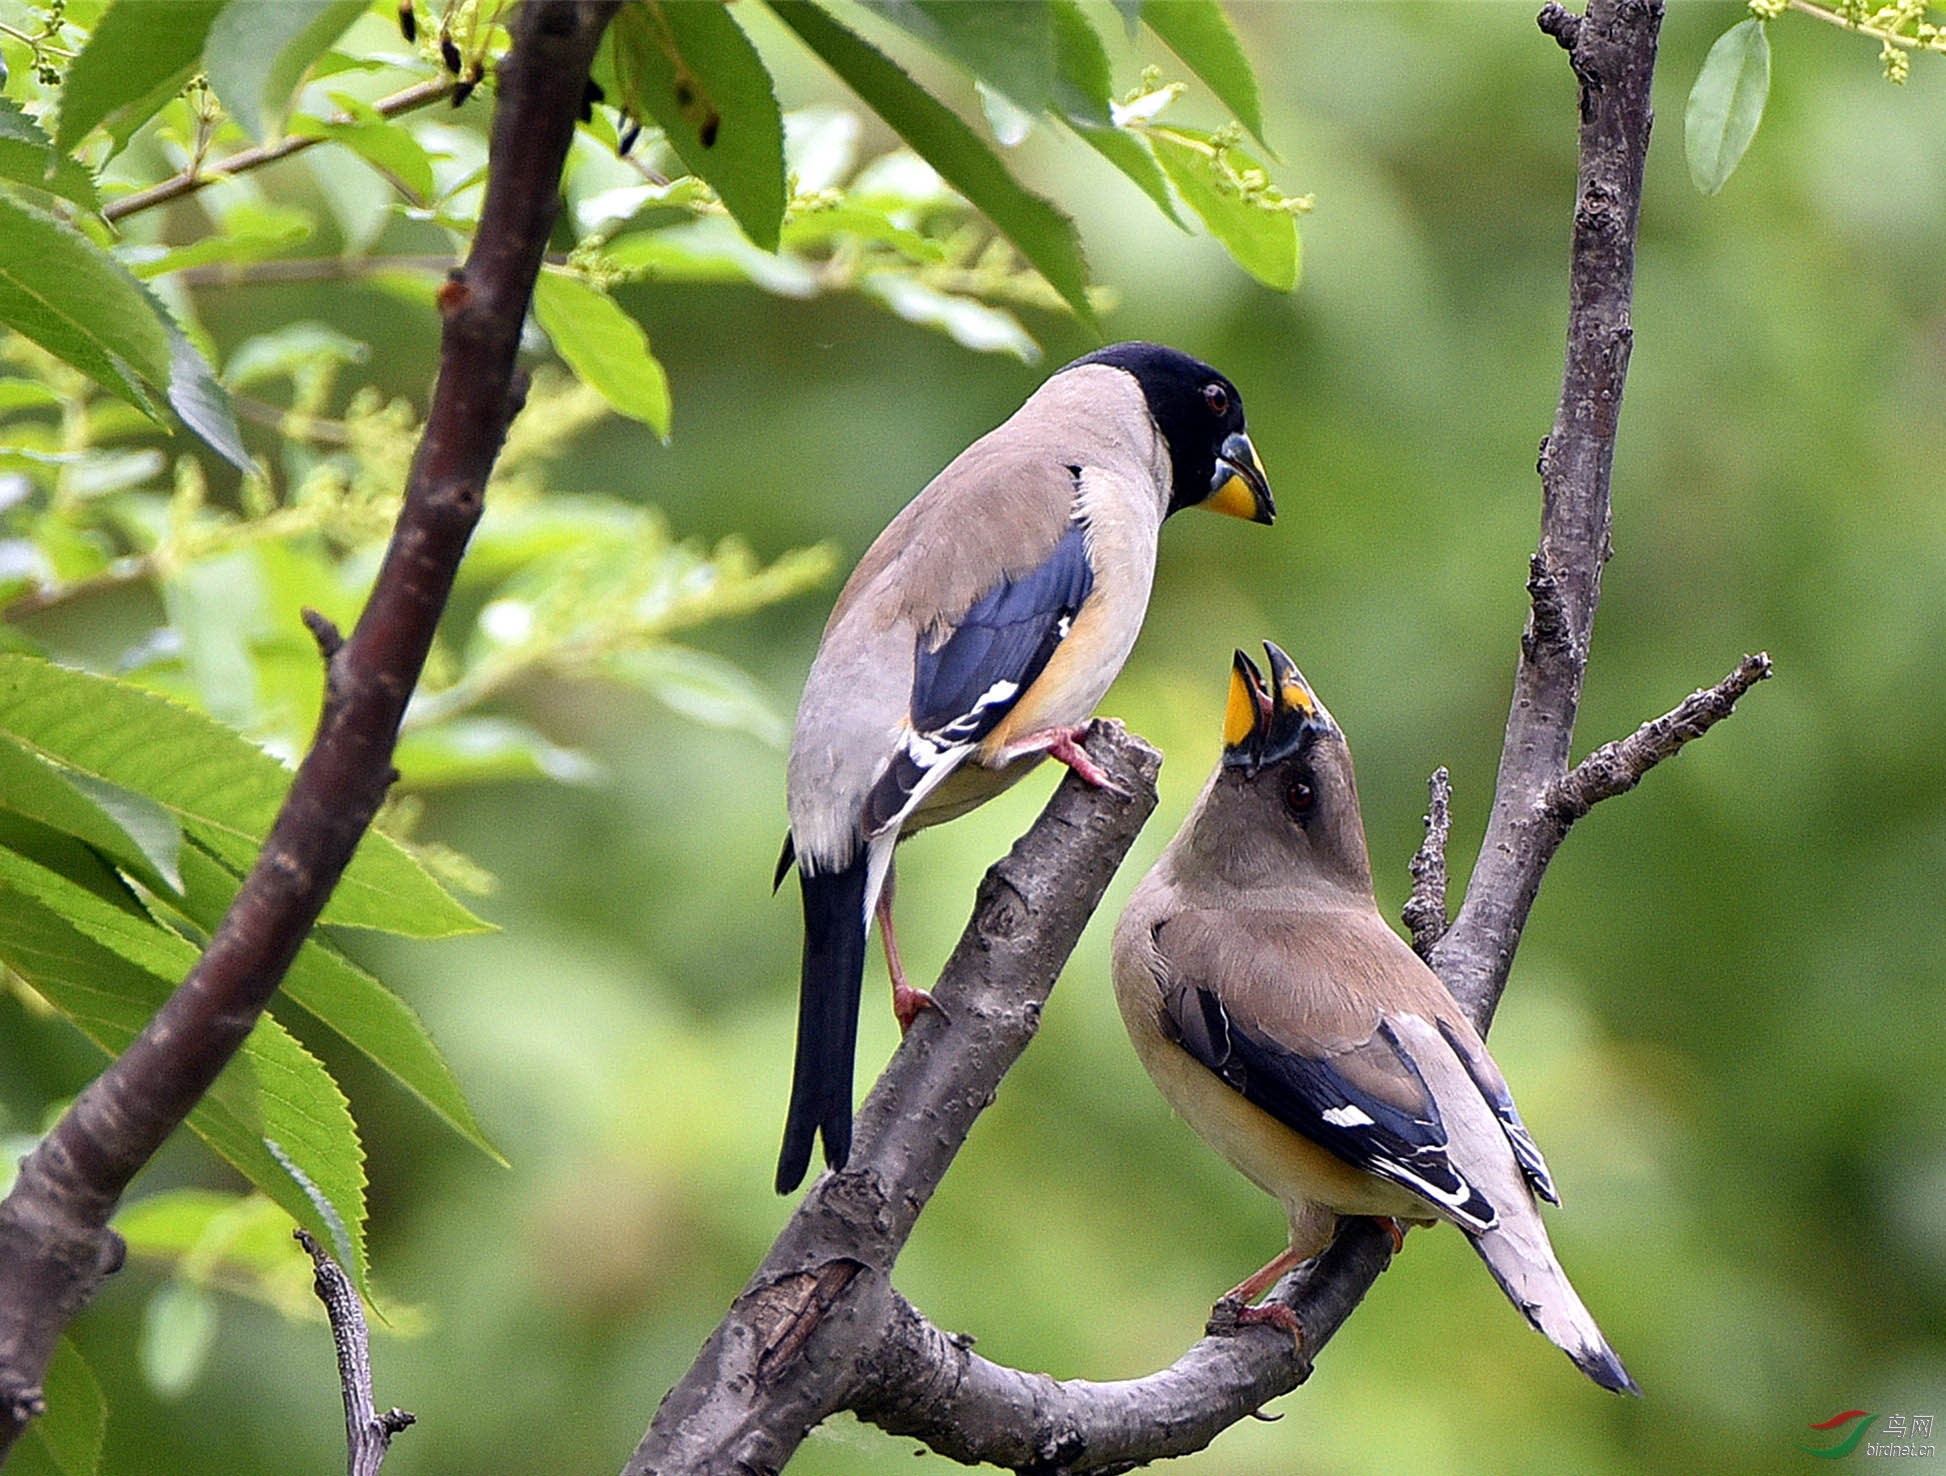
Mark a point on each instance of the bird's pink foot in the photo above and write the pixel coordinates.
(1396, 1229)
(907, 1002)
(1064, 746)
(1230, 1314)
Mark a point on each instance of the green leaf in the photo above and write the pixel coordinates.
(1263, 240)
(137, 58)
(388, 147)
(339, 994)
(28, 157)
(1042, 233)
(223, 790)
(178, 1330)
(966, 320)
(274, 1113)
(240, 1242)
(71, 803)
(692, 70)
(251, 231)
(201, 402)
(705, 689)
(1727, 104)
(604, 345)
(1084, 83)
(1199, 33)
(69, 296)
(67, 1440)
(477, 750)
(1007, 45)
(259, 50)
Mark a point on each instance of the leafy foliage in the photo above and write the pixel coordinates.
(1727, 101)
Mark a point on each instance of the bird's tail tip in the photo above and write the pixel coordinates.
(1599, 1363)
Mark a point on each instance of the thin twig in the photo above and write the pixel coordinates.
(1615, 768)
(196, 177)
(368, 1434)
(1425, 909)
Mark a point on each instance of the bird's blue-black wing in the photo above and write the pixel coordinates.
(1312, 1096)
(1486, 1076)
(964, 685)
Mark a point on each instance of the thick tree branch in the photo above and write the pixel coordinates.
(55, 1246)
(368, 1434)
(798, 1344)
(1612, 51)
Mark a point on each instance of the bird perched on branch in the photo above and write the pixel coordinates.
(973, 639)
(1302, 1038)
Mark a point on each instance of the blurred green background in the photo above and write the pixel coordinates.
(1723, 1025)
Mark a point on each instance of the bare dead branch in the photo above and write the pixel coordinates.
(1425, 909)
(55, 1246)
(368, 1434)
(1615, 768)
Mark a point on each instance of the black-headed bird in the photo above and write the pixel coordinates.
(973, 639)
(1300, 1036)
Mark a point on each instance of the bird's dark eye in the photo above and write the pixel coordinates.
(1217, 398)
(1300, 797)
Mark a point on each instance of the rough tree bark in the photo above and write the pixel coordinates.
(55, 1244)
(819, 1327)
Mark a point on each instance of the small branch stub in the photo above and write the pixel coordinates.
(1425, 910)
(368, 1433)
(1615, 768)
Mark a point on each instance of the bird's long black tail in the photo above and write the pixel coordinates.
(827, 1020)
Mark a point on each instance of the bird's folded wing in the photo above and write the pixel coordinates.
(1493, 1086)
(968, 675)
(1338, 1075)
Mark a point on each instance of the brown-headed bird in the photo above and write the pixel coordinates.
(1293, 1029)
(974, 638)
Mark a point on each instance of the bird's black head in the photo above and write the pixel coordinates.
(1200, 415)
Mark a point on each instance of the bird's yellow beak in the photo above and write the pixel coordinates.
(1249, 704)
(1240, 487)
(1292, 690)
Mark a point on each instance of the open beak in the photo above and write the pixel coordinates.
(1239, 487)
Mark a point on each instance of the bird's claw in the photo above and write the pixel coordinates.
(1066, 748)
(1231, 1314)
(907, 1002)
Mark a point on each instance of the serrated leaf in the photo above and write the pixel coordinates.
(1042, 233)
(69, 296)
(865, 221)
(342, 996)
(201, 402)
(49, 795)
(258, 50)
(275, 1114)
(604, 345)
(388, 147)
(1263, 242)
(28, 157)
(691, 69)
(137, 57)
(222, 789)
(178, 1330)
(1005, 44)
(1084, 83)
(1199, 32)
(1727, 104)
(67, 1439)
